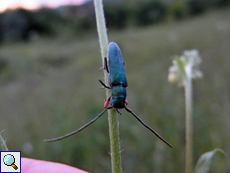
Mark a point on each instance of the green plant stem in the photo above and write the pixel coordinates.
(188, 121)
(112, 115)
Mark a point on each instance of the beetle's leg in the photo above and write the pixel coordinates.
(105, 65)
(106, 105)
(153, 131)
(103, 84)
(118, 111)
(109, 107)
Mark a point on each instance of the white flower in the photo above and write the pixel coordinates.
(185, 67)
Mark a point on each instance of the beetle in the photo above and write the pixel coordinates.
(114, 65)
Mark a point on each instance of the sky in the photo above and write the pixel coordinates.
(35, 4)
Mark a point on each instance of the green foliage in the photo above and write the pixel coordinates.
(197, 7)
(47, 20)
(149, 12)
(177, 10)
(223, 3)
(116, 15)
(83, 24)
(17, 25)
(120, 15)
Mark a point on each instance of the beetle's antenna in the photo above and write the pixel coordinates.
(78, 130)
(153, 131)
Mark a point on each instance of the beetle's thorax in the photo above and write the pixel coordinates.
(118, 96)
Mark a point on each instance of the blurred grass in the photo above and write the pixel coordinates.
(50, 88)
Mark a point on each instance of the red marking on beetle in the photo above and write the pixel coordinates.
(126, 102)
(106, 104)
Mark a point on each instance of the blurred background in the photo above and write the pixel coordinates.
(49, 71)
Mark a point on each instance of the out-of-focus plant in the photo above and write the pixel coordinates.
(184, 69)
(204, 163)
(178, 10)
(3, 146)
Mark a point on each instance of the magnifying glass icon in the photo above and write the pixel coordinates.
(9, 160)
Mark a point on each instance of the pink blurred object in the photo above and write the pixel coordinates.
(40, 166)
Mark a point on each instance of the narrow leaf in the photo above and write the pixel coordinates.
(204, 163)
(3, 146)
